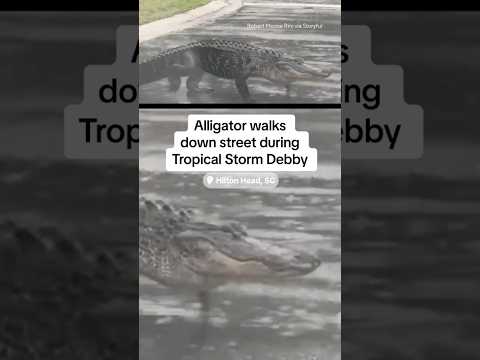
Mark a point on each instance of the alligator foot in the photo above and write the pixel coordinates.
(194, 80)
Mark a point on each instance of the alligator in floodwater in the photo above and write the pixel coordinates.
(176, 250)
(226, 59)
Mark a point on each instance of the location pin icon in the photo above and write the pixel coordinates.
(209, 179)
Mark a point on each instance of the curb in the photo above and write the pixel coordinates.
(211, 11)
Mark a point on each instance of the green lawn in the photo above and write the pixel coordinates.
(151, 10)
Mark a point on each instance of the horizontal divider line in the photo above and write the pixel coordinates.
(148, 106)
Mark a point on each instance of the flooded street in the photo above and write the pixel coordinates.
(292, 319)
(266, 24)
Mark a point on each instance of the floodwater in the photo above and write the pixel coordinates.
(319, 46)
(289, 319)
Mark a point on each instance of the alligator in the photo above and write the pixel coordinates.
(228, 59)
(176, 249)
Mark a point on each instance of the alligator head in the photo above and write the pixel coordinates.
(228, 251)
(174, 246)
(286, 69)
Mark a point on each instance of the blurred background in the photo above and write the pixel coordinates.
(68, 229)
(410, 233)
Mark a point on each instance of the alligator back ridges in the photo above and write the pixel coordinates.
(224, 58)
(159, 223)
(226, 45)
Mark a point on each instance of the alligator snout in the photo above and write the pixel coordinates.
(305, 72)
(297, 265)
(288, 71)
(306, 263)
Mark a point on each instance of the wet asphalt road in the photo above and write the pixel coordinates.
(319, 46)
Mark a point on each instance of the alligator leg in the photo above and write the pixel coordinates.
(194, 80)
(205, 316)
(288, 90)
(199, 338)
(242, 88)
(175, 81)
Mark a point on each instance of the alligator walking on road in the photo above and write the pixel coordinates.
(226, 59)
(176, 250)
